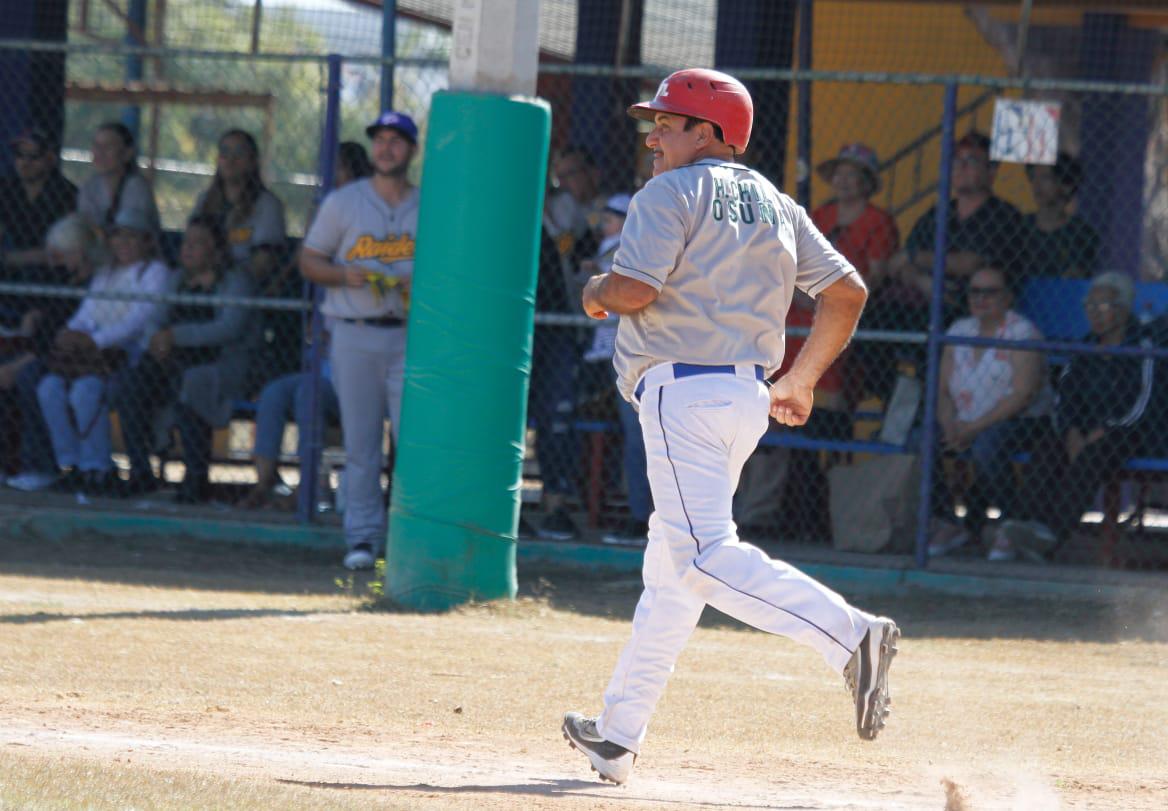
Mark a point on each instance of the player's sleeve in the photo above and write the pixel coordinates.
(327, 230)
(817, 263)
(653, 237)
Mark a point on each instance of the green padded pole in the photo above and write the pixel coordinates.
(458, 470)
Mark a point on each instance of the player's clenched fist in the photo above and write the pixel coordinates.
(592, 306)
(791, 402)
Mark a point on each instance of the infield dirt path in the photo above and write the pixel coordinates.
(177, 677)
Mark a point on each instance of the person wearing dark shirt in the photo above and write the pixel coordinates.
(982, 230)
(30, 202)
(1058, 243)
(1106, 413)
(35, 198)
(197, 363)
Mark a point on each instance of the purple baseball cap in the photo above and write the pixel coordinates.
(399, 122)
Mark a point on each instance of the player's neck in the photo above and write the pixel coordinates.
(391, 188)
(714, 151)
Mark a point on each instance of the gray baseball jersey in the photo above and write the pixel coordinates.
(356, 227)
(726, 250)
(264, 226)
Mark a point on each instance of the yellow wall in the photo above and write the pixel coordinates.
(897, 38)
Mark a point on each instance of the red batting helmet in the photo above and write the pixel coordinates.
(706, 94)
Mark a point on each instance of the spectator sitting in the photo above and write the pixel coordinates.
(102, 340)
(30, 202)
(246, 210)
(1104, 416)
(352, 164)
(116, 183)
(1059, 243)
(982, 230)
(867, 237)
(186, 364)
(287, 396)
(74, 251)
(283, 399)
(993, 401)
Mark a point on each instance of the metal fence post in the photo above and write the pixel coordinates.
(388, 51)
(936, 327)
(310, 459)
(803, 171)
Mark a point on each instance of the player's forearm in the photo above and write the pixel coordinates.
(620, 294)
(318, 269)
(836, 317)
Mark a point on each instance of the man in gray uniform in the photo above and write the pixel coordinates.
(710, 255)
(361, 249)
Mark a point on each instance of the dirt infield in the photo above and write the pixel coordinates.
(174, 675)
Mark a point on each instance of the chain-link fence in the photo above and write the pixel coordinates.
(930, 435)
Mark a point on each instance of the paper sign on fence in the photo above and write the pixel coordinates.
(1025, 131)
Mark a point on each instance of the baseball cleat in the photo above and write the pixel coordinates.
(609, 760)
(866, 677)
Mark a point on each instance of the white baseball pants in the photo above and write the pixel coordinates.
(698, 433)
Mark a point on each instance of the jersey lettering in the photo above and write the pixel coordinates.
(387, 251)
(240, 235)
(735, 202)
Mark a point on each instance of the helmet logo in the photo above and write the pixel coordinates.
(663, 90)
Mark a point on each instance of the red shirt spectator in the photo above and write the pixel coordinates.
(870, 238)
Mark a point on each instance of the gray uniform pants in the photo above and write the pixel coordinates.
(368, 372)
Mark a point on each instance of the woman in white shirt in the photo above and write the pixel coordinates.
(993, 402)
(104, 336)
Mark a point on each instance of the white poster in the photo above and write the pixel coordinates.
(1025, 131)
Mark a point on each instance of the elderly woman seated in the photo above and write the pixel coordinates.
(91, 354)
(1110, 409)
(993, 402)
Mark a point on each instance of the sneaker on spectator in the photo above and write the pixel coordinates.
(525, 531)
(101, 483)
(1002, 549)
(138, 484)
(609, 760)
(72, 481)
(558, 526)
(360, 557)
(945, 537)
(32, 481)
(1031, 539)
(193, 489)
(630, 533)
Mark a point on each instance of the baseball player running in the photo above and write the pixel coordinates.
(709, 258)
(361, 249)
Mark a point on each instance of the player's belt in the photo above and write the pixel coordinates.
(664, 373)
(378, 321)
